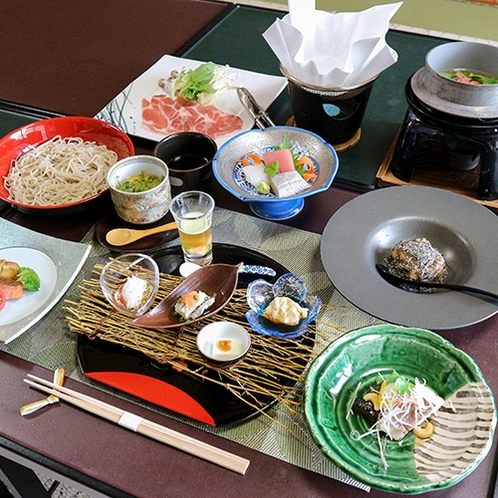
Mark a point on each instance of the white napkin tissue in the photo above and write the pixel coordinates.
(332, 50)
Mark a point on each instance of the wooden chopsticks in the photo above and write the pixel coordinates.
(142, 425)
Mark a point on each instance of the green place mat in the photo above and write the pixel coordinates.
(50, 344)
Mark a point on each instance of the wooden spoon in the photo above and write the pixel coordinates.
(123, 236)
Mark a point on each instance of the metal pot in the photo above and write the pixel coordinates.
(454, 97)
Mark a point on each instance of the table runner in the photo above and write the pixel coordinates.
(50, 344)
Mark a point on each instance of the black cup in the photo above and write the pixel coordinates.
(189, 157)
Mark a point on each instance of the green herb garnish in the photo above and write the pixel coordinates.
(193, 82)
(402, 384)
(272, 169)
(28, 278)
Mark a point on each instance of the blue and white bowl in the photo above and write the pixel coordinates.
(227, 168)
(260, 294)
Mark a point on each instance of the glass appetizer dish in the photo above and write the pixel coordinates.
(223, 343)
(283, 309)
(130, 283)
(57, 166)
(275, 169)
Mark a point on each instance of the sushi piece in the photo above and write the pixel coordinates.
(288, 184)
(283, 157)
(193, 304)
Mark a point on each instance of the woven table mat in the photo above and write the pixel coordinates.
(50, 344)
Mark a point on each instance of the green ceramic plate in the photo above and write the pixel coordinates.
(464, 426)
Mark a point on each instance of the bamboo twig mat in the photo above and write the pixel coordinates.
(50, 344)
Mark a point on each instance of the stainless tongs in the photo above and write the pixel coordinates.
(261, 117)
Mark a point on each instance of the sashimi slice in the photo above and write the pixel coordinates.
(288, 184)
(255, 174)
(284, 158)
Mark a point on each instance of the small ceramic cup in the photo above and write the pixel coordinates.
(223, 343)
(140, 207)
(189, 158)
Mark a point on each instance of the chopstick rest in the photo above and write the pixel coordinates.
(141, 425)
(36, 405)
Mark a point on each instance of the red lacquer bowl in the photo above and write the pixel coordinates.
(25, 138)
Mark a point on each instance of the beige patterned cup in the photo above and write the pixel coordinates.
(140, 207)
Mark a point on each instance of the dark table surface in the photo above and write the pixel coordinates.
(98, 453)
(73, 58)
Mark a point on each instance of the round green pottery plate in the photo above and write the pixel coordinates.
(350, 367)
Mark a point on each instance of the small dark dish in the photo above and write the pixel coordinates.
(218, 281)
(27, 137)
(189, 157)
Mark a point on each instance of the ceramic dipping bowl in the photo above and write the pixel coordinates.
(228, 168)
(140, 207)
(223, 343)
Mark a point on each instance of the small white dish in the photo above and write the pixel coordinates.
(223, 343)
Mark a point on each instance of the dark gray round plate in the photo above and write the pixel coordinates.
(364, 230)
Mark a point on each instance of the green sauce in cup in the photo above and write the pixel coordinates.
(139, 183)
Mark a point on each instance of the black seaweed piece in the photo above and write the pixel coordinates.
(366, 410)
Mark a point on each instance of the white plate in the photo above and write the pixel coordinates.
(56, 261)
(125, 110)
(18, 309)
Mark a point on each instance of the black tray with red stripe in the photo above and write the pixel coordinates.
(180, 392)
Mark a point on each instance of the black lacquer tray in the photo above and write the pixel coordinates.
(181, 392)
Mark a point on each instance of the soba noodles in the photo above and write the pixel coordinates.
(59, 171)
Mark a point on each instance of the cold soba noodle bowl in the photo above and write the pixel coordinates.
(58, 172)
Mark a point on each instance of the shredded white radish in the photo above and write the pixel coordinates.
(401, 412)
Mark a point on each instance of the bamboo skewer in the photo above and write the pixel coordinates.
(143, 426)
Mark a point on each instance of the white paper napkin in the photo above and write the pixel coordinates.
(332, 51)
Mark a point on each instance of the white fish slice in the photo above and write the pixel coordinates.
(288, 184)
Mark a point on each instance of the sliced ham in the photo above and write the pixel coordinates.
(283, 157)
(164, 116)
